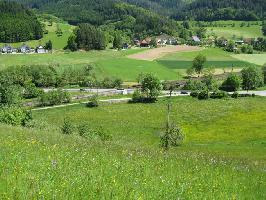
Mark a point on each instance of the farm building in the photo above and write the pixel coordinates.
(41, 49)
(195, 39)
(144, 43)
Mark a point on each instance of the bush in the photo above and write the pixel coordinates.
(218, 95)
(15, 116)
(174, 136)
(31, 91)
(235, 95)
(194, 94)
(85, 131)
(94, 102)
(231, 84)
(194, 85)
(137, 97)
(67, 127)
(203, 95)
(246, 95)
(54, 97)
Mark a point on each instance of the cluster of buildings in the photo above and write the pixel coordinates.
(163, 41)
(8, 49)
(160, 41)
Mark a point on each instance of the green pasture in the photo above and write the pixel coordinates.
(249, 30)
(223, 156)
(59, 42)
(258, 59)
(111, 63)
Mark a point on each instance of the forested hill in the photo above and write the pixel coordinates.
(18, 23)
(98, 11)
(122, 16)
(211, 10)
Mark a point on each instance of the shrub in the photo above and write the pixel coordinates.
(14, 116)
(246, 95)
(174, 136)
(10, 94)
(235, 95)
(84, 130)
(103, 135)
(218, 95)
(67, 127)
(231, 84)
(94, 102)
(203, 95)
(54, 97)
(194, 94)
(209, 82)
(137, 97)
(252, 78)
(193, 85)
(31, 91)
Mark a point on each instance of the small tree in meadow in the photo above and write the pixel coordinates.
(49, 45)
(150, 86)
(198, 64)
(173, 135)
(252, 78)
(67, 127)
(231, 84)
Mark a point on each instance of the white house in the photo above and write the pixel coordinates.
(41, 49)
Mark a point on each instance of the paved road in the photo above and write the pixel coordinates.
(130, 91)
(165, 94)
(118, 100)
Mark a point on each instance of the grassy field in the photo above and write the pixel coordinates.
(110, 63)
(223, 156)
(236, 32)
(59, 42)
(258, 59)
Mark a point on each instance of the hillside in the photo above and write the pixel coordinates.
(211, 10)
(119, 15)
(18, 23)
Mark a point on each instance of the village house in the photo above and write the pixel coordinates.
(7, 49)
(25, 49)
(144, 43)
(41, 49)
(239, 42)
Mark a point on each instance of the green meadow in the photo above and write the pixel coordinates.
(116, 64)
(249, 30)
(59, 42)
(223, 156)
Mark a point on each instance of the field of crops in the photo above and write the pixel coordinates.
(223, 156)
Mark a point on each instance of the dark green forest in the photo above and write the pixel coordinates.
(17, 23)
(211, 10)
(100, 11)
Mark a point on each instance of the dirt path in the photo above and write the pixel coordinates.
(153, 54)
